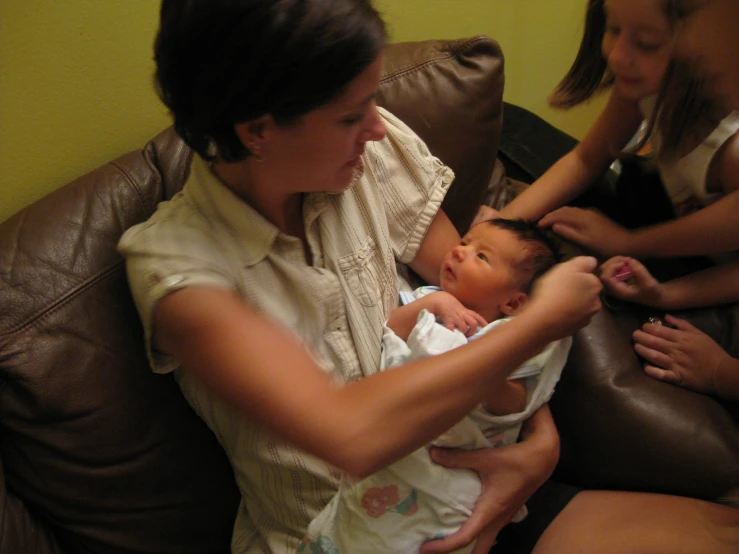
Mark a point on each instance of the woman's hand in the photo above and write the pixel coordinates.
(509, 476)
(485, 213)
(453, 314)
(628, 279)
(566, 297)
(590, 229)
(683, 356)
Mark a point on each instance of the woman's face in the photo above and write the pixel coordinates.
(709, 39)
(321, 151)
(637, 44)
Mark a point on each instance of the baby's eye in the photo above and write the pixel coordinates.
(482, 256)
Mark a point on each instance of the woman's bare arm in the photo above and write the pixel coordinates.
(261, 369)
(440, 238)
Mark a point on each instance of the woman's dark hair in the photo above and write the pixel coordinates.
(542, 253)
(224, 62)
(682, 114)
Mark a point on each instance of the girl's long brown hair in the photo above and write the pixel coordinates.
(682, 115)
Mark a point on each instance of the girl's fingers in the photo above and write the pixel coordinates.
(567, 231)
(650, 332)
(681, 324)
(609, 267)
(654, 356)
(662, 374)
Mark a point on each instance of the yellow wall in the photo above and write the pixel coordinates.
(75, 75)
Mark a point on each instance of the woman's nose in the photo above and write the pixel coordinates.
(376, 129)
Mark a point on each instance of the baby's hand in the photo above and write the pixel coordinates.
(628, 279)
(453, 313)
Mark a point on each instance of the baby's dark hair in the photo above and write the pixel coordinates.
(543, 252)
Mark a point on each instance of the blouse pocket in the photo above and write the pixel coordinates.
(361, 271)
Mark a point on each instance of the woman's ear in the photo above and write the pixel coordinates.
(515, 303)
(252, 134)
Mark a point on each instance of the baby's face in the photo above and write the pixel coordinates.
(481, 271)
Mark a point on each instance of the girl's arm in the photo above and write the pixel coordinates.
(576, 171)
(261, 369)
(715, 285)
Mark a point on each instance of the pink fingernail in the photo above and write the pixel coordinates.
(623, 273)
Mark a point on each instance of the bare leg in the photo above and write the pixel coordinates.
(603, 522)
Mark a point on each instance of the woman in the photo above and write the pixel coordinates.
(266, 281)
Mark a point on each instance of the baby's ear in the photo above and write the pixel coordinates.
(515, 303)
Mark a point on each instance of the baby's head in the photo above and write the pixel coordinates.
(492, 269)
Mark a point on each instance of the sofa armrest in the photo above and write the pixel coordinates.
(621, 429)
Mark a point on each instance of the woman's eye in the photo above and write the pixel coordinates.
(352, 120)
(612, 29)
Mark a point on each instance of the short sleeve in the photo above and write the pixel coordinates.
(411, 181)
(169, 252)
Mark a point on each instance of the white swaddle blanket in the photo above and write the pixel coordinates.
(414, 500)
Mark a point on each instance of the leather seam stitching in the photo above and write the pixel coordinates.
(131, 181)
(451, 53)
(42, 314)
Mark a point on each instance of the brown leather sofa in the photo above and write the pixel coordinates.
(99, 455)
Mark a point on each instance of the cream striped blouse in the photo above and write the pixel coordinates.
(337, 306)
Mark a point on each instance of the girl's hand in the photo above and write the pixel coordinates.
(628, 279)
(509, 476)
(484, 213)
(453, 314)
(590, 229)
(567, 296)
(684, 356)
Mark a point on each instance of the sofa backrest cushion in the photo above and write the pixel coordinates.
(98, 454)
(451, 94)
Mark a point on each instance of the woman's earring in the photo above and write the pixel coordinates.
(254, 149)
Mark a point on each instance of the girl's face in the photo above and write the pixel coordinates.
(637, 44)
(709, 37)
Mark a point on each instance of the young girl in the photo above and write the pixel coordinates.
(627, 46)
(678, 352)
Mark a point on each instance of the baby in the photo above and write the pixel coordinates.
(486, 278)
